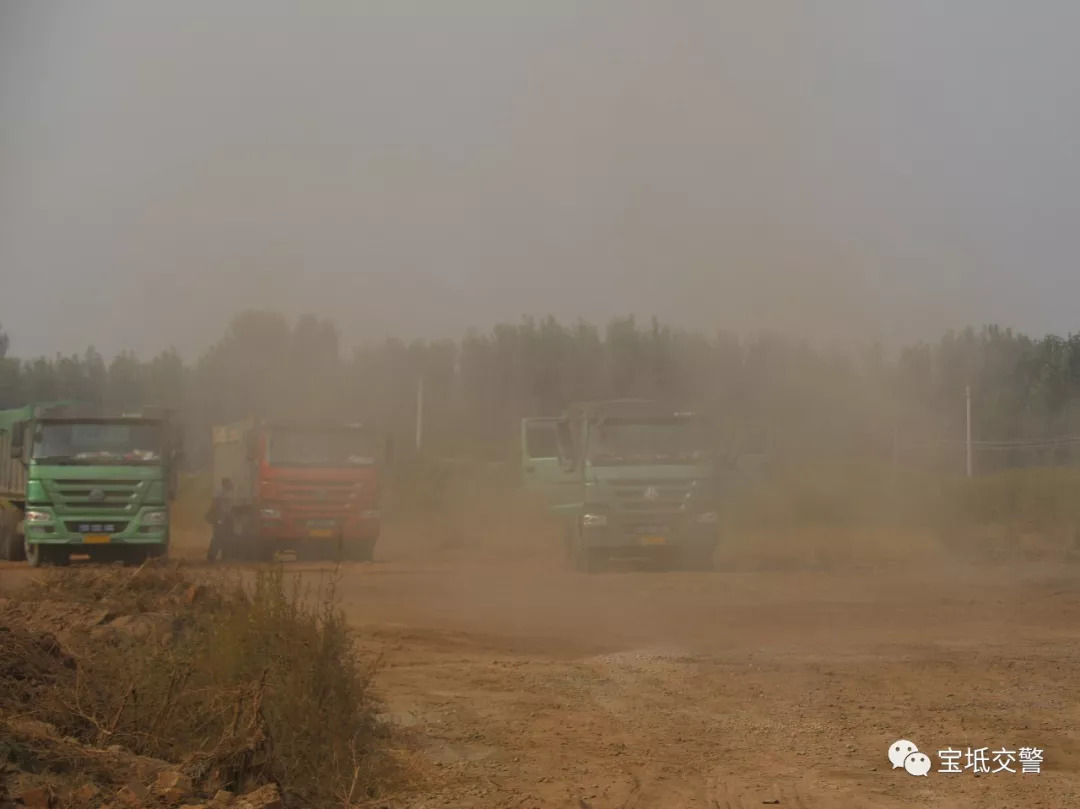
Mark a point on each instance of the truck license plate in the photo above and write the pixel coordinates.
(321, 533)
(97, 539)
(653, 541)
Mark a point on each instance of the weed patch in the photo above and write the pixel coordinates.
(248, 683)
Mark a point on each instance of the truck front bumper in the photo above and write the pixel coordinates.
(81, 535)
(638, 539)
(286, 531)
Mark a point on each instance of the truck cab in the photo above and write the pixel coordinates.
(79, 480)
(630, 478)
(308, 488)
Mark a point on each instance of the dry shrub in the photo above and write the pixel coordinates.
(32, 665)
(149, 588)
(262, 684)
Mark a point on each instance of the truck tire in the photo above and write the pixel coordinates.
(361, 550)
(585, 559)
(698, 559)
(133, 557)
(11, 546)
(252, 550)
(39, 555)
(589, 560)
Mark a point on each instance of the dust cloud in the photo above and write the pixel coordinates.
(414, 172)
(842, 171)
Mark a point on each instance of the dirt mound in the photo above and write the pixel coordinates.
(149, 688)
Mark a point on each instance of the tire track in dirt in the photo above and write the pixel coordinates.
(790, 696)
(536, 689)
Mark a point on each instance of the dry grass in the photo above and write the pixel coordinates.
(149, 588)
(832, 514)
(258, 683)
(822, 515)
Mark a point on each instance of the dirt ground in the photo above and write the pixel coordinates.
(520, 684)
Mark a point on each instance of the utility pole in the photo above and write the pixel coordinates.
(893, 485)
(419, 412)
(967, 395)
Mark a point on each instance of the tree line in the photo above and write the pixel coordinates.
(770, 391)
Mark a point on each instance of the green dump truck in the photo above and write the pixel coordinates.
(630, 478)
(77, 480)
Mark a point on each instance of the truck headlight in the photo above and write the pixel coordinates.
(155, 518)
(269, 513)
(593, 520)
(707, 517)
(37, 517)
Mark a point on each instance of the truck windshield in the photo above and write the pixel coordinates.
(97, 443)
(328, 448)
(613, 443)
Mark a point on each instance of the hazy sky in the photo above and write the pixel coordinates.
(835, 168)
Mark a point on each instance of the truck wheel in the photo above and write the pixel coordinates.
(252, 550)
(588, 560)
(39, 555)
(34, 554)
(11, 549)
(591, 560)
(361, 550)
(245, 549)
(698, 559)
(133, 557)
(582, 558)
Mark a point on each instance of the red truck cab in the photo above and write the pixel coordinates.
(312, 489)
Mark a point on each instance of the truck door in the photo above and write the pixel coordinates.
(541, 467)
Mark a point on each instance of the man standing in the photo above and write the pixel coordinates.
(220, 517)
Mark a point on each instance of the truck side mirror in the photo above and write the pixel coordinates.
(18, 434)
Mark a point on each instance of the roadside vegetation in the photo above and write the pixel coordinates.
(112, 677)
(830, 514)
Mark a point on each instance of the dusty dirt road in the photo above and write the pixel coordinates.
(528, 686)
(523, 685)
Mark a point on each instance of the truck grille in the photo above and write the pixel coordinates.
(98, 495)
(652, 499)
(318, 498)
(92, 527)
